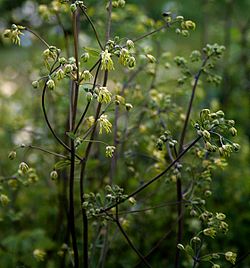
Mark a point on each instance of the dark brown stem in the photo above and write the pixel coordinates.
(128, 239)
(179, 182)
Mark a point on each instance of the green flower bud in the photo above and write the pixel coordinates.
(73, 7)
(86, 75)
(60, 74)
(89, 96)
(4, 200)
(188, 25)
(128, 106)
(68, 68)
(208, 193)
(185, 33)
(220, 216)
(179, 18)
(151, 58)
(121, 3)
(62, 60)
(35, 84)
(180, 247)
(23, 167)
(50, 84)
(196, 240)
(7, 33)
(110, 151)
(39, 254)
(231, 257)
(233, 131)
(12, 155)
(210, 232)
(216, 266)
(54, 175)
(132, 201)
(193, 213)
(130, 44)
(236, 147)
(206, 135)
(115, 4)
(85, 57)
(178, 31)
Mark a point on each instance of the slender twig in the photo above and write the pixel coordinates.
(46, 151)
(179, 182)
(141, 188)
(128, 239)
(88, 104)
(38, 36)
(93, 27)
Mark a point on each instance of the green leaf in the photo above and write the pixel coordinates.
(206, 258)
(189, 250)
(71, 135)
(62, 164)
(92, 51)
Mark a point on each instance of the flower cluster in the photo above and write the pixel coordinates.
(104, 124)
(110, 151)
(213, 127)
(106, 61)
(14, 33)
(104, 95)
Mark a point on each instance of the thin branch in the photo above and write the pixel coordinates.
(46, 151)
(38, 36)
(93, 27)
(128, 239)
(141, 188)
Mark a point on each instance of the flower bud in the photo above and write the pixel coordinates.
(7, 33)
(85, 57)
(188, 25)
(128, 106)
(4, 200)
(39, 254)
(12, 155)
(233, 131)
(181, 247)
(35, 84)
(24, 167)
(54, 175)
(62, 60)
(130, 44)
(121, 3)
(89, 96)
(50, 84)
(132, 201)
(151, 58)
(73, 7)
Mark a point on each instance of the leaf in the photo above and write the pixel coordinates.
(189, 250)
(206, 258)
(62, 164)
(92, 51)
(71, 135)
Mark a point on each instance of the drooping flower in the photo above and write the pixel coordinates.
(106, 61)
(104, 95)
(104, 124)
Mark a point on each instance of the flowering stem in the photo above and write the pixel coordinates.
(179, 182)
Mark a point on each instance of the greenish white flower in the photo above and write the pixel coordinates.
(231, 257)
(39, 254)
(86, 75)
(106, 61)
(110, 151)
(104, 124)
(104, 95)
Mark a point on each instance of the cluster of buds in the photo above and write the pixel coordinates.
(92, 204)
(4, 199)
(185, 26)
(215, 51)
(14, 34)
(114, 194)
(118, 3)
(55, 6)
(212, 127)
(110, 151)
(39, 255)
(165, 137)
